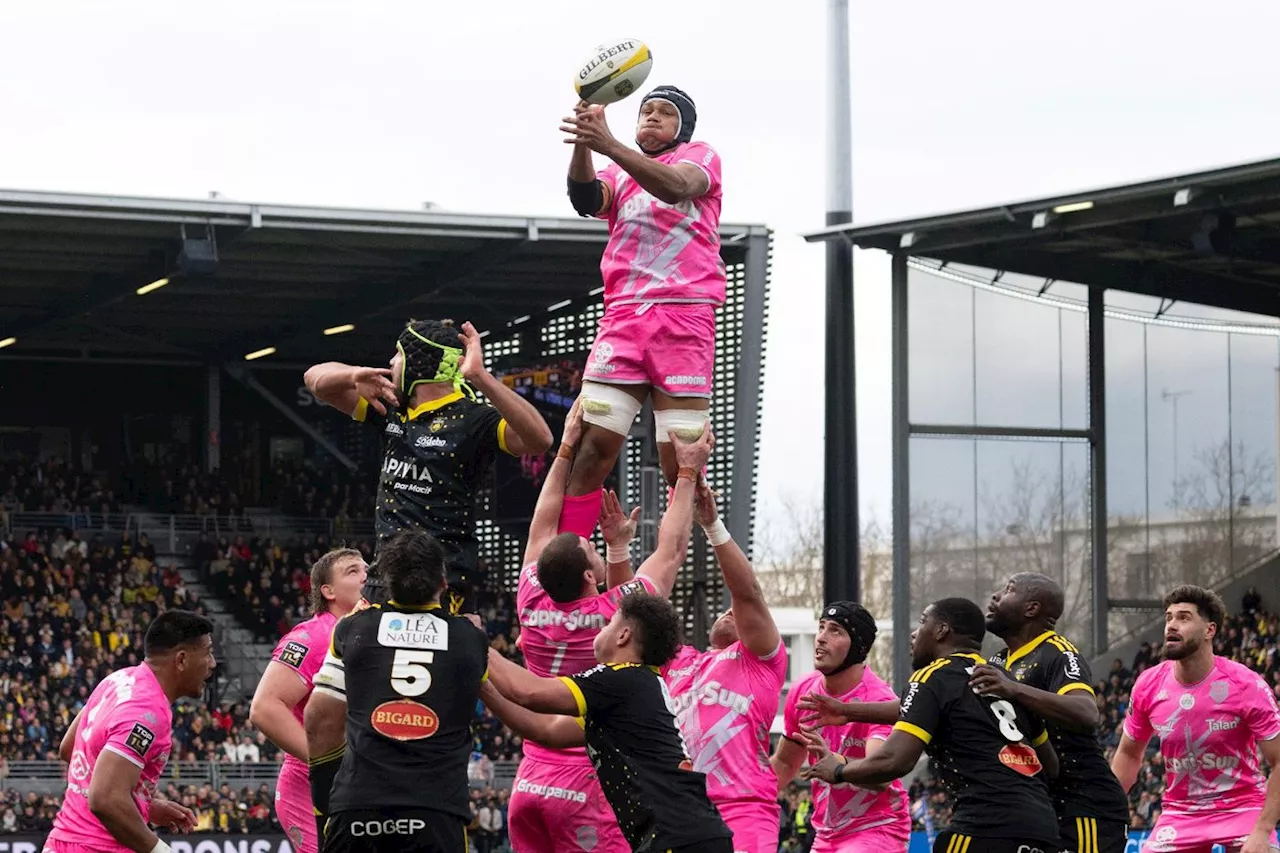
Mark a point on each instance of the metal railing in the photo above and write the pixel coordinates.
(176, 534)
(214, 773)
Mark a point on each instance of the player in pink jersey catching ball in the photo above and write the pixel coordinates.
(556, 802)
(118, 745)
(846, 818)
(281, 697)
(663, 279)
(1213, 717)
(726, 698)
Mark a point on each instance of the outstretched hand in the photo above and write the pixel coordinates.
(375, 386)
(588, 126)
(693, 454)
(472, 366)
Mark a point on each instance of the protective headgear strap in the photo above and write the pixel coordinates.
(684, 106)
(434, 362)
(860, 624)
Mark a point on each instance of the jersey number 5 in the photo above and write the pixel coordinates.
(1007, 717)
(409, 676)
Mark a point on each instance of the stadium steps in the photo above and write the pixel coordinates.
(242, 660)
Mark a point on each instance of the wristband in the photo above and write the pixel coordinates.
(161, 847)
(621, 554)
(839, 774)
(688, 474)
(566, 452)
(717, 533)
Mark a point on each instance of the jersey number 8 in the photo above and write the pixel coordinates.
(1007, 717)
(409, 676)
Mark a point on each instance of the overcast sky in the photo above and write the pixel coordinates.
(391, 104)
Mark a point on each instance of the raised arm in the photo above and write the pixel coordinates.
(618, 529)
(554, 731)
(756, 628)
(546, 514)
(540, 695)
(588, 128)
(817, 709)
(343, 386)
(589, 195)
(673, 533)
(527, 431)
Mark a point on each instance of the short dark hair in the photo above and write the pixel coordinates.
(657, 624)
(172, 629)
(964, 617)
(1207, 602)
(561, 566)
(322, 573)
(413, 564)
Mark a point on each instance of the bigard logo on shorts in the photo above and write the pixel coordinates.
(293, 654)
(404, 720)
(413, 631)
(1020, 758)
(140, 739)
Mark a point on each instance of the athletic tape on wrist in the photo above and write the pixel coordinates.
(161, 847)
(717, 534)
(618, 555)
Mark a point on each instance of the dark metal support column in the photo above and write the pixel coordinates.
(1098, 465)
(213, 423)
(740, 514)
(901, 478)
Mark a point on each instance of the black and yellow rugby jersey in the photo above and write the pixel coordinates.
(640, 758)
(1085, 786)
(983, 749)
(437, 456)
(411, 677)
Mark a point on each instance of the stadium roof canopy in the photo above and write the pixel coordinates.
(1211, 238)
(71, 265)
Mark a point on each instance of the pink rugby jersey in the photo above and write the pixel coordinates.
(661, 252)
(840, 811)
(1214, 784)
(302, 650)
(127, 714)
(725, 703)
(558, 639)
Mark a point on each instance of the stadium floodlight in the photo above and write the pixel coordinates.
(8, 342)
(155, 285)
(1041, 219)
(338, 330)
(1073, 207)
(906, 241)
(1183, 197)
(262, 353)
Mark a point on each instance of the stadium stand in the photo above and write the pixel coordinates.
(76, 596)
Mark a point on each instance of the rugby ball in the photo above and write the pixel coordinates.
(614, 70)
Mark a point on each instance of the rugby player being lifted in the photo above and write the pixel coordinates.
(440, 443)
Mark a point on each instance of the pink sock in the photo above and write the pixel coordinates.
(580, 513)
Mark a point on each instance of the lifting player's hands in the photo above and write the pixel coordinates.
(587, 126)
(705, 511)
(988, 680)
(694, 454)
(472, 366)
(818, 709)
(617, 528)
(374, 385)
(176, 817)
(573, 424)
(825, 762)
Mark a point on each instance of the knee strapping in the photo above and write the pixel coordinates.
(609, 407)
(686, 423)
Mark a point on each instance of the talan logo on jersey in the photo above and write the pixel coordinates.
(140, 739)
(293, 654)
(1020, 758)
(413, 631)
(574, 620)
(1223, 725)
(404, 720)
(429, 441)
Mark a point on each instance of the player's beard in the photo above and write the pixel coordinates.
(1184, 647)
